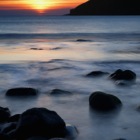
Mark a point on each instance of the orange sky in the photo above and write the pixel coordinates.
(38, 5)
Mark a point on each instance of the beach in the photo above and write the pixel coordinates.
(47, 53)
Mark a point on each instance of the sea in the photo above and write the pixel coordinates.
(57, 52)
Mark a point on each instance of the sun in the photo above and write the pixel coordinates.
(39, 5)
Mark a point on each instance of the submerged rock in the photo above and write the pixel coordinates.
(123, 75)
(60, 92)
(40, 122)
(21, 91)
(97, 73)
(104, 102)
(82, 40)
(4, 114)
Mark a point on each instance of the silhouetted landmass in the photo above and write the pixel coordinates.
(108, 7)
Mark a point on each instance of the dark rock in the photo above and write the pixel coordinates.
(97, 73)
(40, 122)
(4, 114)
(123, 75)
(104, 102)
(4, 137)
(72, 131)
(22, 91)
(56, 48)
(82, 40)
(14, 118)
(36, 48)
(8, 127)
(107, 7)
(60, 92)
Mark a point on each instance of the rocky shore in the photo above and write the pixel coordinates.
(40, 123)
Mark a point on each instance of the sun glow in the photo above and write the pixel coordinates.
(39, 5)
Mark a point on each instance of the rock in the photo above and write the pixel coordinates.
(107, 7)
(21, 91)
(97, 73)
(104, 102)
(36, 48)
(4, 137)
(60, 92)
(4, 114)
(82, 40)
(40, 122)
(72, 131)
(123, 75)
(14, 118)
(8, 127)
(56, 48)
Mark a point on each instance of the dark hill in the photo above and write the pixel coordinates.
(108, 7)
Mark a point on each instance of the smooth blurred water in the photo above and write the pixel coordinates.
(43, 53)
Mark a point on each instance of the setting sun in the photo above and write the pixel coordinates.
(39, 5)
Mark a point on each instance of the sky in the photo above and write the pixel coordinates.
(42, 7)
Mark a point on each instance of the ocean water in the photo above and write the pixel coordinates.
(52, 52)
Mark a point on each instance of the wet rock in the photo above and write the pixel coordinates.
(104, 102)
(72, 131)
(21, 91)
(123, 75)
(36, 48)
(8, 127)
(40, 122)
(14, 118)
(56, 48)
(4, 114)
(4, 137)
(60, 92)
(96, 73)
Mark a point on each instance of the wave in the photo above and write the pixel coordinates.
(75, 36)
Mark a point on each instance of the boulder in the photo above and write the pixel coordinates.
(104, 102)
(96, 73)
(4, 114)
(21, 91)
(123, 75)
(4, 137)
(8, 127)
(40, 122)
(72, 131)
(14, 118)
